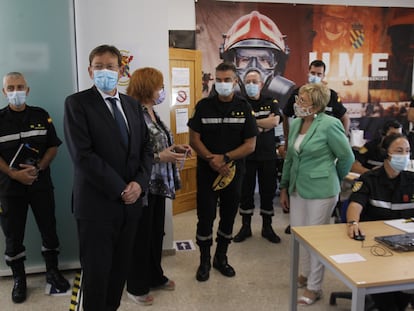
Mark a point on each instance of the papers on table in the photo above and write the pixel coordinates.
(347, 258)
(406, 225)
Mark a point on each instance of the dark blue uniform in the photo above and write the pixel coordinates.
(223, 126)
(262, 162)
(369, 155)
(383, 198)
(33, 126)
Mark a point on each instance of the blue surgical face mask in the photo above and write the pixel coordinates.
(224, 88)
(252, 89)
(17, 98)
(161, 98)
(105, 80)
(314, 79)
(399, 161)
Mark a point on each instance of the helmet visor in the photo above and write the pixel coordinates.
(251, 57)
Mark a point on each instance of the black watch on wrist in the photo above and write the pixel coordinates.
(226, 158)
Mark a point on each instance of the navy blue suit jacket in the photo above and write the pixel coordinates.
(103, 166)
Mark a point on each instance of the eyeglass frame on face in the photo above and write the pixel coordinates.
(105, 66)
(301, 102)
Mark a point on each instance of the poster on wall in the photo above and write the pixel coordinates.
(368, 52)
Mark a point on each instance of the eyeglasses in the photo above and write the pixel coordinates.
(300, 101)
(108, 66)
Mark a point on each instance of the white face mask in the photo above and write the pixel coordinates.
(302, 112)
(224, 88)
(17, 98)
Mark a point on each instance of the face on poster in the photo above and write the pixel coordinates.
(368, 51)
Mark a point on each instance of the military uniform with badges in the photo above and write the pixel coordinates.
(32, 126)
(263, 163)
(384, 198)
(222, 126)
(369, 155)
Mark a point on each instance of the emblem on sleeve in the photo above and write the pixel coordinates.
(357, 186)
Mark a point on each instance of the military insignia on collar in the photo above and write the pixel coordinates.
(49, 120)
(357, 186)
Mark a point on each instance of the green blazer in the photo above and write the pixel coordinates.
(324, 159)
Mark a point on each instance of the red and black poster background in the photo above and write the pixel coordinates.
(368, 51)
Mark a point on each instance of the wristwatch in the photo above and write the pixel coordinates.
(226, 158)
(157, 158)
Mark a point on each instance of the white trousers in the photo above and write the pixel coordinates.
(309, 212)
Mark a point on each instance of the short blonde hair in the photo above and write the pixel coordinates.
(144, 82)
(318, 93)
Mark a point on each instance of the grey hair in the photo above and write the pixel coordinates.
(13, 74)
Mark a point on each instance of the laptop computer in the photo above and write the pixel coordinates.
(399, 242)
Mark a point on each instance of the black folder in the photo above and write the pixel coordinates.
(25, 155)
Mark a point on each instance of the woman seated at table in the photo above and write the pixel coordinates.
(382, 194)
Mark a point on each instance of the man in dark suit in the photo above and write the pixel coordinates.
(108, 141)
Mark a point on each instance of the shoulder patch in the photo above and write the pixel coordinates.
(363, 150)
(357, 185)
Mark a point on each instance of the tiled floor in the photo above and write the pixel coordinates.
(261, 281)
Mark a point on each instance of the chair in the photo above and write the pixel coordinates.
(369, 303)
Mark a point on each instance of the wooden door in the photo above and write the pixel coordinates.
(186, 84)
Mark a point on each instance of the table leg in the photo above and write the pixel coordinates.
(358, 299)
(294, 271)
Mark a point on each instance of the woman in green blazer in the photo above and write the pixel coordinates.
(318, 157)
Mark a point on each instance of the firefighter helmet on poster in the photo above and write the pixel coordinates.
(255, 42)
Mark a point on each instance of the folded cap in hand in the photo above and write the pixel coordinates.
(222, 182)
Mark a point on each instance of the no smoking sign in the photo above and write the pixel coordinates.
(181, 95)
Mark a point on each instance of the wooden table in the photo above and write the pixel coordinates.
(375, 275)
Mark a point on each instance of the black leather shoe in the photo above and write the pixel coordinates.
(222, 266)
(244, 233)
(269, 234)
(203, 272)
(56, 279)
(19, 290)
